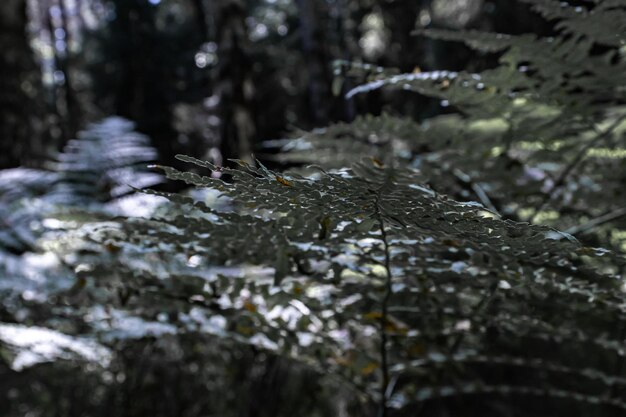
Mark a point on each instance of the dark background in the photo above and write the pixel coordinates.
(214, 78)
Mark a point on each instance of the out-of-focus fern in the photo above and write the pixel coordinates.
(18, 187)
(100, 167)
(91, 179)
(564, 72)
(103, 164)
(538, 137)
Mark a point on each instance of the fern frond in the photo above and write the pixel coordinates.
(309, 280)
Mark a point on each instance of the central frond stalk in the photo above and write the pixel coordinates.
(384, 360)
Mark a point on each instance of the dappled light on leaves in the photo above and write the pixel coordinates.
(456, 278)
(468, 263)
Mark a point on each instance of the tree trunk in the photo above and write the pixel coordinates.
(234, 83)
(21, 122)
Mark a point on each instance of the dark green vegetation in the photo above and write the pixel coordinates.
(467, 265)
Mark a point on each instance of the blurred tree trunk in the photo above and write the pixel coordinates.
(21, 113)
(64, 104)
(145, 78)
(234, 83)
(348, 49)
(202, 19)
(129, 94)
(64, 62)
(317, 61)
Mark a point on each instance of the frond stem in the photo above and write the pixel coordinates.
(384, 314)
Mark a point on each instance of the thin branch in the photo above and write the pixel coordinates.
(558, 183)
(593, 223)
(478, 190)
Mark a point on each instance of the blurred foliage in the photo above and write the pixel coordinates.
(392, 277)
(540, 137)
(199, 76)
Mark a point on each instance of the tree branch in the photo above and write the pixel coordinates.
(593, 223)
(558, 183)
(477, 189)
